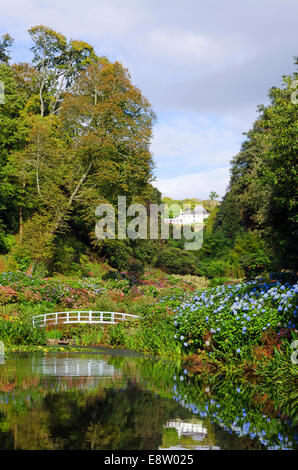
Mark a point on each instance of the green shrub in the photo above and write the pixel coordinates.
(198, 282)
(83, 334)
(21, 256)
(136, 268)
(7, 241)
(16, 332)
(91, 269)
(220, 268)
(145, 250)
(121, 284)
(153, 333)
(40, 270)
(250, 251)
(104, 304)
(54, 334)
(112, 275)
(218, 281)
(3, 248)
(67, 252)
(177, 261)
(118, 252)
(86, 335)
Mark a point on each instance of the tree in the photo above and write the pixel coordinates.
(12, 138)
(280, 174)
(74, 132)
(261, 200)
(95, 149)
(58, 63)
(213, 196)
(110, 124)
(6, 42)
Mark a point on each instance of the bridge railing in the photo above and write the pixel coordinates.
(81, 316)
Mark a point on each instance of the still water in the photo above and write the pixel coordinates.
(121, 401)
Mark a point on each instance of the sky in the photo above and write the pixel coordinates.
(204, 66)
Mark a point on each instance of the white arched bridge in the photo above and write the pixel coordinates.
(81, 316)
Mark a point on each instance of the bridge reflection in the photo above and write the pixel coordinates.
(73, 367)
(194, 431)
(71, 373)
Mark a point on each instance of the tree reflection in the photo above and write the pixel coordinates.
(142, 404)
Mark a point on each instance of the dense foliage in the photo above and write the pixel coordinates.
(254, 228)
(75, 133)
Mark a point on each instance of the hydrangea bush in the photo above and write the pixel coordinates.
(232, 316)
(22, 288)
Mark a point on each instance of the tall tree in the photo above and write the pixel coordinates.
(213, 195)
(12, 138)
(58, 63)
(6, 42)
(262, 194)
(96, 149)
(110, 123)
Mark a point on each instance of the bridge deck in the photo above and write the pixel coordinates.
(81, 316)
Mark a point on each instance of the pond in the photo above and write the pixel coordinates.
(106, 399)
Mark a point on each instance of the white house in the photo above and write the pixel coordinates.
(198, 215)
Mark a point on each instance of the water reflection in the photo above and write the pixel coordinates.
(194, 428)
(72, 367)
(103, 401)
(189, 433)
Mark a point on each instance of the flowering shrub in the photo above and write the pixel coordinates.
(10, 277)
(22, 288)
(7, 295)
(146, 290)
(18, 287)
(77, 298)
(29, 295)
(231, 316)
(121, 284)
(53, 292)
(94, 285)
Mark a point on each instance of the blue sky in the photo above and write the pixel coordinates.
(204, 66)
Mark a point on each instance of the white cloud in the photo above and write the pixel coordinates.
(189, 53)
(195, 141)
(198, 185)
